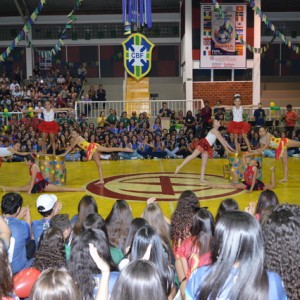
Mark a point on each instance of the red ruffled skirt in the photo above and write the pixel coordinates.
(49, 127)
(238, 127)
(203, 145)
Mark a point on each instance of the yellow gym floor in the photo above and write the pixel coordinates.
(140, 179)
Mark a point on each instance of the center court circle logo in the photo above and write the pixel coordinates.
(164, 186)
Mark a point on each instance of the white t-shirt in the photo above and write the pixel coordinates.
(4, 152)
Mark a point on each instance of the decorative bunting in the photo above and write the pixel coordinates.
(25, 30)
(57, 47)
(266, 21)
(272, 27)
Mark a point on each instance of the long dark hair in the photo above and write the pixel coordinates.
(135, 225)
(282, 239)
(202, 230)
(118, 223)
(55, 285)
(6, 283)
(138, 281)
(266, 199)
(238, 239)
(144, 237)
(154, 217)
(226, 205)
(81, 266)
(86, 206)
(95, 221)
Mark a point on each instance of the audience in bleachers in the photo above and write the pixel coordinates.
(111, 129)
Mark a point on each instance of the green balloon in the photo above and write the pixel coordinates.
(47, 170)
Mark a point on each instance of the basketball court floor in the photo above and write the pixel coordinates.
(138, 180)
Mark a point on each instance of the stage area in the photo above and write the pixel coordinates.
(138, 180)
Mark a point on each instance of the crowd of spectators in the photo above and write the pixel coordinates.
(237, 255)
(146, 136)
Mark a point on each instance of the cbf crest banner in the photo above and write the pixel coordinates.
(137, 55)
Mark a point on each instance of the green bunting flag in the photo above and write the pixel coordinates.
(24, 31)
(57, 47)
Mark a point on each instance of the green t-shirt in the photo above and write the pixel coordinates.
(116, 254)
(125, 121)
(111, 119)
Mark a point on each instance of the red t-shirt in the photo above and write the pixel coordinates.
(290, 118)
(191, 253)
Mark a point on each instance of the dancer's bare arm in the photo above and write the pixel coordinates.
(69, 149)
(223, 141)
(17, 152)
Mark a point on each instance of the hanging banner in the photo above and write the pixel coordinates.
(220, 49)
(137, 51)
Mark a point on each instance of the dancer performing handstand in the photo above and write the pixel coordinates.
(204, 148)
(38, 183)
(93, 150)
(267, 140)
(250, 182)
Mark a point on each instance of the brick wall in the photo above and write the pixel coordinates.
(224, 91)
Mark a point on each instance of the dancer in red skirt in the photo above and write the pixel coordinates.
(204, 148)
(238, 126)
(48, 127)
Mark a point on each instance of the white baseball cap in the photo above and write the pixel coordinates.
(237, 96)
(45, 202)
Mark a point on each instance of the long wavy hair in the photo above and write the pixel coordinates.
(181, 220)
(81, 265)
(226, 205)
(55, 285)
(282, 239)
(144, 237)
(202, 230)
(118, 223)
(6, 283)
(238, 239)
(154, 217)
(138, 281)
(86, 206)
(51, 250)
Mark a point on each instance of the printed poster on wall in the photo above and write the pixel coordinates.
(45, 63)
(219, 47)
